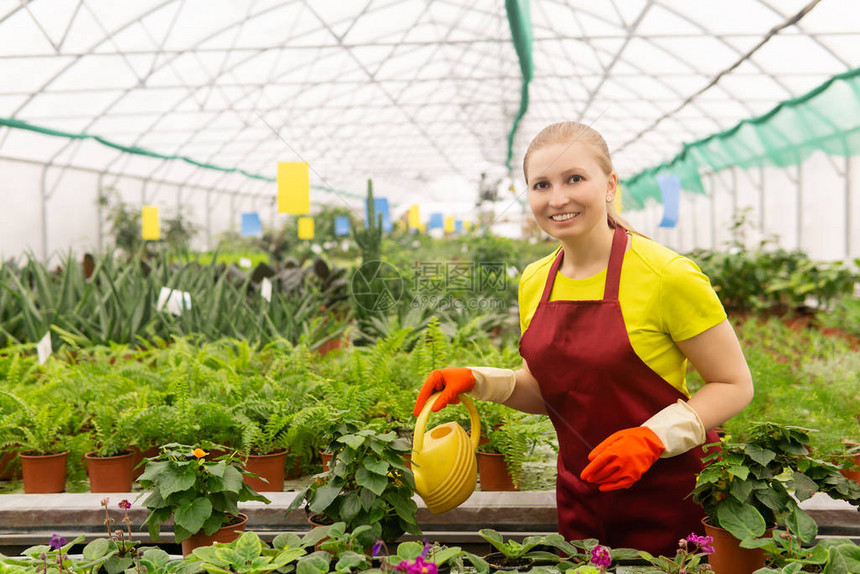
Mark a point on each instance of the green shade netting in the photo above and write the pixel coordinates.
(519, 20)
(826, 119)
(21, 125)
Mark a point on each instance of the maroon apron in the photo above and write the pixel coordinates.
(594, 384)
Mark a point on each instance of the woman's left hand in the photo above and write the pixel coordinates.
(622, 458)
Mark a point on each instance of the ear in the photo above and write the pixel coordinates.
(611, 187)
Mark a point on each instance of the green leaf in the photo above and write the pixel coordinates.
(377, 466)
(373, 482)
(232, 479)
(367, 498)
(323, 497)
(313, 564)
(117, 564)
(96, 549)
(760, 455)
(350, 506)
(248, 545)
(804, 487)
(192, 516)
(353, 441)
(213, 569)
(349, 560)
(741, 472)
(176, 480)
(741, 489)
(494, 538)
(741, 520)
(207, 554)
(286, 540)
(285, 557)
(230, 556)
(408, 550)
(799, 522)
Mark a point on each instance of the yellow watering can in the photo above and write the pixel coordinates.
(443, 459)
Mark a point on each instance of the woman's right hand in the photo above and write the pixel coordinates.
(451, 381)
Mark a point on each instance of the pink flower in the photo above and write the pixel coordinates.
(600, 556)
(418, 566)
(705, 543)
(124, 504)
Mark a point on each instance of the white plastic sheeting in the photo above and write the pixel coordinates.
(405, 92)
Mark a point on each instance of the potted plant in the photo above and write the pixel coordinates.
(248, 555)
(263, 450)
(513, 555)
(368, 484)
(200, 495)
(849, 460)
(692, 550)
(39, 434)
(110, 464)
(786, 554)
(508, 438)
(746, 485)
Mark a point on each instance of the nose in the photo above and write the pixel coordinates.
(557, 197)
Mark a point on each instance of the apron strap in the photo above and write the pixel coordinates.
(616, 258)
(550, 280)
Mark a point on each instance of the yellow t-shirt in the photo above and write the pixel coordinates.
(664, 298)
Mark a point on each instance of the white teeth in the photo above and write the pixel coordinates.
(563, 216)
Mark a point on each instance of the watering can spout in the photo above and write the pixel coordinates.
(443, 459)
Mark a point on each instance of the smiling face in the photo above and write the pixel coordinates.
(568, 189)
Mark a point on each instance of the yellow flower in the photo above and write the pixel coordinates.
(199, 452)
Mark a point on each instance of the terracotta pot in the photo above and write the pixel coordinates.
(137, 457)
(494, 472)
(326, 458)
(331, 345)
(847, 473)
(728, 556)
(44, 473)
(225, 534)
(269, 466)
(110, 473)
(316, 519)
(9, 467)
(294, 471)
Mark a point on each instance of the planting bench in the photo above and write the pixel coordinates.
(27, 519)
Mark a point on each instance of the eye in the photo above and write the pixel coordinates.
(576, 178)
(540, 185)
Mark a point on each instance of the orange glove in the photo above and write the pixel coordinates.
(451, 381)
(622, 458)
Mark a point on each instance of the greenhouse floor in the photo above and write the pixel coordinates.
(27, 519)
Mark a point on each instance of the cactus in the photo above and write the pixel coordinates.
(369, 238)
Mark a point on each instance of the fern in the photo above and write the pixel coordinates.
(433, 350)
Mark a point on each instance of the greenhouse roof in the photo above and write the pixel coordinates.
(407, 92)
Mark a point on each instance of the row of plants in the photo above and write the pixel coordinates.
(281, 397)
(745, 490)
(106, 399)
(112, 301)
(773, 279)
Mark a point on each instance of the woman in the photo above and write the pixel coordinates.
(609, 322)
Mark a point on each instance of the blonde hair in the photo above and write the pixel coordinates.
(574, 131)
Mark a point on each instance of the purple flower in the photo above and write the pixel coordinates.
(57, 542)
(600, 556)
(124, 504)
(426, 549)
(377, 547)
(705, 543)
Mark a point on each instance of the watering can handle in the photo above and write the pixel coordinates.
(474, 422)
